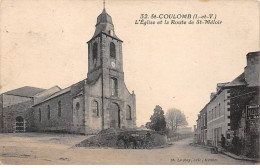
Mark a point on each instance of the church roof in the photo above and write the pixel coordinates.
(59, 93)
(45, 94)
(48, 91)
(77, 87)
(105, 25)
(26, 91)
(104, 17)
(91, 81)
(63, 91)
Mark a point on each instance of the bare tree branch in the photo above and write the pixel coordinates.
(175, 118)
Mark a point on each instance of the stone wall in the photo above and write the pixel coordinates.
(12, 112)
(239, 98)
(78, 115)
(9, 100)
(93, 122)
(57, 123)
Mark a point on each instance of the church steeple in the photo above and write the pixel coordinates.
(104, 4)
(105, 48)
(105, 25)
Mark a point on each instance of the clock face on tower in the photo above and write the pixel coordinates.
(113, 64)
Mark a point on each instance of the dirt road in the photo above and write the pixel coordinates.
(42, 148)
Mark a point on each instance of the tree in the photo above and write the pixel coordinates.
(175, 118)
(157, 122)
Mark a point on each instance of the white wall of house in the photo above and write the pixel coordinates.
(218, 116)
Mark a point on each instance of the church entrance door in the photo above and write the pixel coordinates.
(114, 116)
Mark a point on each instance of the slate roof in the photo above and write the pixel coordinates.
(74, 89)
(55, 95)
(48, 91)
(26, 91)
(104, 25)
(77, 87)
(58, 93)
(45, 94)
(238, 81)
(93, 80)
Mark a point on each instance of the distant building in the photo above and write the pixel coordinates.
(194, 128)
(195, 132)
(201, 127)
(184, 130)
(202, 124)
(98, 102)
(198, 129)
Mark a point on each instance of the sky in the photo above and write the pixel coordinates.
(43, 44)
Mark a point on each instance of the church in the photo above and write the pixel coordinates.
(98, 102)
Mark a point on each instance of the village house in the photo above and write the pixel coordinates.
(227, 110)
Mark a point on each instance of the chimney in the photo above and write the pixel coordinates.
(252, 70)
(212, 95)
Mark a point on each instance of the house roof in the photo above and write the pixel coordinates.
(238, 81)
(26, 91)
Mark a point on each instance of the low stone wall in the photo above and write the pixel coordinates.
(159, 139)
(119, 138)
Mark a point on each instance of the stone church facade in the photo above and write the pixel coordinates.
(98, 102)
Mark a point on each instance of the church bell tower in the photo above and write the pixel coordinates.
(104, 48)
(105, 60)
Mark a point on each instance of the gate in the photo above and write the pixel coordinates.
(19, 124)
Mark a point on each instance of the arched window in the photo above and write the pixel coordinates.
(95, 107)
(112, 50)
(128, 113)
(77, 106)
(114, 87)
(59, 108)
(49, 112)
(95, 53)
(40, 115)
